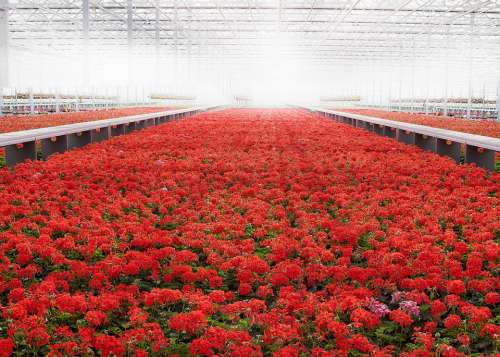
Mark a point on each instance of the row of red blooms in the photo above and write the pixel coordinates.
(25, 122)
(476, 126)
(249, 233)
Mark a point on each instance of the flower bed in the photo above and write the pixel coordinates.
(479, 127)
(18, 123)
(249, 233)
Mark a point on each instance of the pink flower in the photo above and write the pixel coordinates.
(378, 308)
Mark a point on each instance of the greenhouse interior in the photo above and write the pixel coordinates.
(258, 178)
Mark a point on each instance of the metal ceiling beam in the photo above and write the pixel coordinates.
(373, 28)
(264, 7)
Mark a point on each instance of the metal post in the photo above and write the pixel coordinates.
(482, 112)
(157, 43)
(374, 84)
(77, 105)
(389, 103)
(189, 48)
(400, 77)
(32, 102)
(428, 76)
(176, 45)
(4, 48)
(498, 100)
(381, 88)
(58, 102)
(445, 99)
(412, 99)
(471, 39)
(130, 39)
(86, 39)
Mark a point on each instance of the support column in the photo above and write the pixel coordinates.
(428, 76)
(400, 94)
(412, 99)
(498, 100)
(157, 45)
(471, 39)
(445, 99)
(176, 48)
(130, 40)
(374, 91)
(4, 48)
(32, 102)
(58, 102)
(86, 39)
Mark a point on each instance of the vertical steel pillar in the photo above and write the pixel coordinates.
(77, 104)
(428, 76)
(390, 89)
(58, 102)
(176, 46)
(471, 39)
(130, 40)
(381, 92)
(157, 44)
(498, 100)
(412, 99)
(86, 39)
(400, 77)
(189, 47)
(32, 102)
(445, 99)
(4, 48)
(92, 98)
(374, 95)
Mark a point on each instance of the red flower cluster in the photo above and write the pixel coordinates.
(249, 233)
(25, 122)
(478, 127)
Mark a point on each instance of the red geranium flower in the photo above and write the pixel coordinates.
(400, 317)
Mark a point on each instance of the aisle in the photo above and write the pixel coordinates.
(246, 232)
